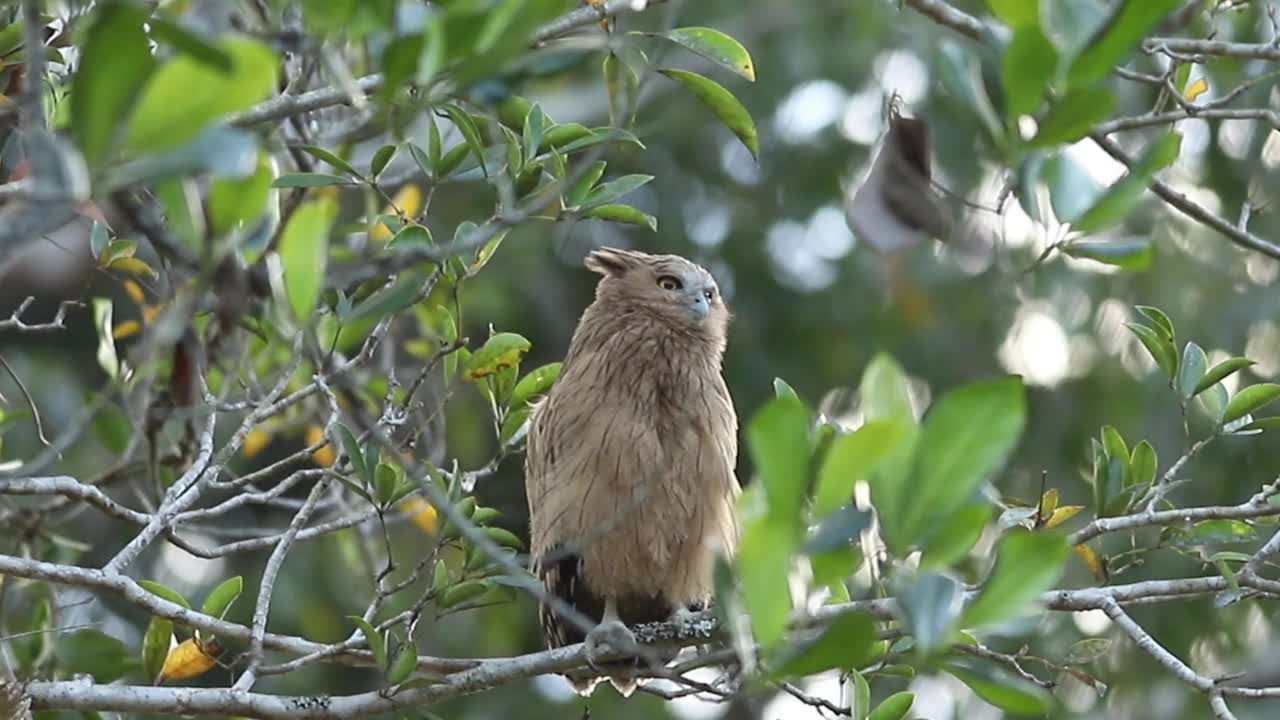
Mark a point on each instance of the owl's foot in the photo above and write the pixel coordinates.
(610, 638)
(688, 623)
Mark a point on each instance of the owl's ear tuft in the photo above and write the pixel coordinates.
(611, 261)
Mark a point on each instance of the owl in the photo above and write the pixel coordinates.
(629, 470)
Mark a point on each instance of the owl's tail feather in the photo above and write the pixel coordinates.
(621, 674)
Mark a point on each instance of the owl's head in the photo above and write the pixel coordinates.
(678, 291)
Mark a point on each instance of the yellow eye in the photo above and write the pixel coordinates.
(667, 282)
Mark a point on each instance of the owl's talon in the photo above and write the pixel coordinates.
(608, 639)
(687, 623)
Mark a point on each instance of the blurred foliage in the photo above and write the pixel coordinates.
(993, 392)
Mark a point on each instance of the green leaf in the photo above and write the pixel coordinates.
(956, 537)
(622, 85)
(1119, 200)
(782, 389)
(1191, 370)
(460, 593)
(847, 643)
(1161, 322)
(1220, 372)
(115, 63)
(412, 236)
(614, 189)
(1270, 423)
(308, 180)
(503, 350)
(861, 704)
(577, 192)
(1114, 445)
(94, 652)
(535, 382)
(962, 75)
(1071, 118)
(377, 641)
(381, 159)
(884, 392)
(1013, 695)
(1214, 402)
(385, 481)
(853, 457)
(387, 300)
(778, 437)
(112, 428)
(470, 132)
(331, 158)
(304, 252)
(534, 127)
(1132, 254)
(624, 214)
(722, 104)
(1143, 464)
(1072, 190)
(155, 646)
(957, 451)
(716, 47)
(220, 598)
(106, 353)
(930, 605)
(1119, 36)
(1027, 69)
(424, 161)
(839, 530)
(894, 707)
(504, 537)
(240, 200)
(1160, 349)
(1016, 13)
(1087, 650)
(185, 95)
(352, 448)
(1216, 532)
(404, 663)
(167, 593)
(763, 561)
(1027, 563)
(568, 139)
(98, 238)
(1250, 399)
(190, 43)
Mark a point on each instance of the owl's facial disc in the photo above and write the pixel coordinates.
(692, 291)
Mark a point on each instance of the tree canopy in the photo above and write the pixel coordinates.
(280, 281)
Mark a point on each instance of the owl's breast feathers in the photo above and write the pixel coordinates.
(630, 471)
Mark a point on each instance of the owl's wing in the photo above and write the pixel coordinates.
(724, 448)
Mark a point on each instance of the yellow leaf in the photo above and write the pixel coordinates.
(1195, 90)
(325, 456)
(408, 200)
(151, 312)
(1049, 502)
(134, 290)
(188, 660)
(423, 514)
(1092, 561)
(254, 443)
(131, 265)
(128, 328)
(1063, 514)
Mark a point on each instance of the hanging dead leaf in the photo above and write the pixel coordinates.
(325, 455)
(190, 659)
(1091, 560)
(1195, 90)
(422, 513)
(255, 442)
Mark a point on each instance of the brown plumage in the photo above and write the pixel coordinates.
(630, 462)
